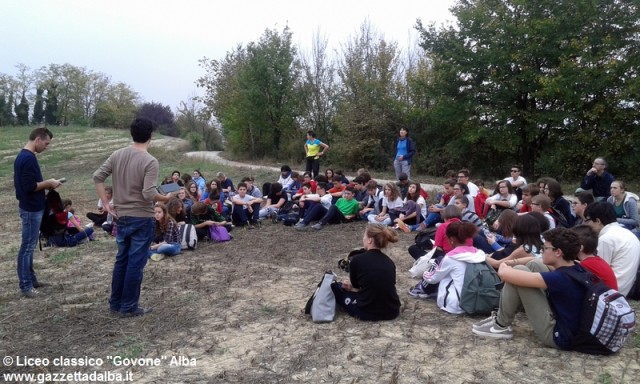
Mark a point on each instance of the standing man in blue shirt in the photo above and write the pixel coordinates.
(405, 149)
(30, 192)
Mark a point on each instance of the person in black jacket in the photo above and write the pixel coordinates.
(370, 293)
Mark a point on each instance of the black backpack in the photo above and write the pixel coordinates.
(55, 218)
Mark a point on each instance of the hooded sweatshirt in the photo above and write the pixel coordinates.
(450, 275)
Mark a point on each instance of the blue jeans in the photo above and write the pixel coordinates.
(169, 249)
(30, 231)
(134, 238)
(70, 240)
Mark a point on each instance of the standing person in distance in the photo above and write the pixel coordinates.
(134, 173)
(30, 193)
(312, 152)
(405, 149)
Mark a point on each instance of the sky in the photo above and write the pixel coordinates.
(154, 46)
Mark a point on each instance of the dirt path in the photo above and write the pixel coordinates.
(215, 157)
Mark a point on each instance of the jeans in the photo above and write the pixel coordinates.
(70, 240)
(314, 212)
(30, 231)
(241, 216)
(402, 167)
(134, 238)
(168, 249)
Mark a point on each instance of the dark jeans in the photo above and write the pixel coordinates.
(134, 238)
(315, 211)
(313, 166)
(97, 218)
(30, 231)
(70, 239)
(349, 302)
(333, 216)
(240, 216)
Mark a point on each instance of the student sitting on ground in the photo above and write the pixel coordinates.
(186, 200)
(446, 198)
(582, 201)
(542, 204)
(391, 202)
(589, 260)
(203, 217)
(306, 178)
(246, 208)
(528, 192)
(75, 233)
(504, 199)
(490, 242)
(462, 202)
(176, 210)
(345, 210)
(370, 293)
(252, 190)
(102, 216)
(276, 199)
(625, 204)
(192, 191)
(552, 300)
(372, 204)
(166, 241)
(415, 206)
(527, 230)
(316, 205)
(450, 272)
(226, 185)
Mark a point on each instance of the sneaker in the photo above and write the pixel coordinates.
(90, 225)
(157, 256)
(40, 284)
(317, 226)
(493, 330)
(138, 312)
(404, 227)
(418, 292)
(274, 217)
(250, 226)
(31, 294)
(481, 323)
(300, 226)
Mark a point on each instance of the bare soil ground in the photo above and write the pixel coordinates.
(235, 312)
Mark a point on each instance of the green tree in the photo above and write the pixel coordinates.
(118, 107)
(3, 109)
(516, 81)
(22, 111)
(368, 109)
(38, 107)
(51, 105)
(252, 93)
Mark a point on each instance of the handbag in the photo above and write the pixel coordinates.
(423, 264)
(322, 304)
(219, 233)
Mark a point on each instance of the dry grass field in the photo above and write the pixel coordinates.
(233, 312)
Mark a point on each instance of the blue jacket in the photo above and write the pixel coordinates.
(411, 149)
(599, 184)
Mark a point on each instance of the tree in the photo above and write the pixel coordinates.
(196, 124)
(161, 115)
(368, 111)
(51, 105)
(38, 107)
(22, 111)
(118, 107)
(252, 93)
(319, 90)
(518, 80)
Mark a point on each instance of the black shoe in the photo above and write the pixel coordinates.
(40, 284)
(138, 312)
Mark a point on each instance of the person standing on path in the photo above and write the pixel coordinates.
(134, 174)
(30, 193)
(312, 150)
(405, 149)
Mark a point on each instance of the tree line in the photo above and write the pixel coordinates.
(66, 94)
(546, 84)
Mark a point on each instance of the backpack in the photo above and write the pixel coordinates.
(479, 293)
(322, 304)
(55, 219)
(607, 319)
(559, 218)
(188, 236)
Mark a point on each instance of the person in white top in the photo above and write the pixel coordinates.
(516, 180)
(463, 177)
(618, 246)
(390, 201)
(504, 199)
